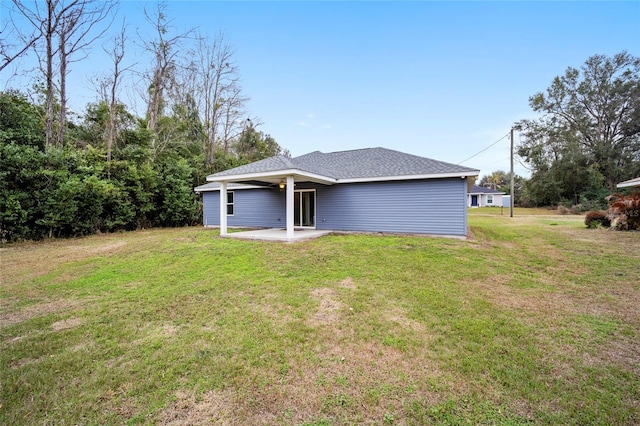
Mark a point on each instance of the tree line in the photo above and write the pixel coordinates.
(107, 168)
(585, 140)
(49, 191)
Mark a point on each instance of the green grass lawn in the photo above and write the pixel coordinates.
(533, 320)
(517, 211)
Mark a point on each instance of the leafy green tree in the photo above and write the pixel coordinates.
(94, 129)
(588, 132)
(497, 180)
(21, 177)
(20, 121)
(176, 203)
(253, 145)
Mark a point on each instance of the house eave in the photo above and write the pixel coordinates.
(196, 190)
(487, 193)
(629, 184)
(274, 176)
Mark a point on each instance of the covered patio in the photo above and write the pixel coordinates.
(276, 234)
(286, 180)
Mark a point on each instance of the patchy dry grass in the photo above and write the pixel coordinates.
(517, 211)
(533, 320)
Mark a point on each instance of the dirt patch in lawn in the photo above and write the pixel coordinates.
(25, 361)
(328, 307)
(152, 332)
(625, 242)
(270, 306)
(214, 407)
(17, 261)
(538, 306)
(399, 316)
(622, 351)
(17, 316)
(363, 380)
(66, 324)
(348, 283)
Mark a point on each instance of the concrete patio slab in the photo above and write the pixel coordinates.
(275, 234)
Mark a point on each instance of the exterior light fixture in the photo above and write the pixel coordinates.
(281, 185)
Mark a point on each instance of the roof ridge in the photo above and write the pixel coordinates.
(287, 161)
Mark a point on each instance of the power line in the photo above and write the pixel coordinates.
(480, 152)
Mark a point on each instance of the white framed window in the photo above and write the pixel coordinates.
(230, 203)
(489, 199)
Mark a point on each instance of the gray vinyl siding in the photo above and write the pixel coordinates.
(252, 208)
(434, 206)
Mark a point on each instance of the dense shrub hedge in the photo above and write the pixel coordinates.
(624, 211)
(594, 218)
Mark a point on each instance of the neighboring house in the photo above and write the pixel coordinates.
(629, 183)
(371, 190)
(484, 197)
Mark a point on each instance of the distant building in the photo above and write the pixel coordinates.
(484, 197)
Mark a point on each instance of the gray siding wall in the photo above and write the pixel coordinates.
(256, 208)
(433, 206)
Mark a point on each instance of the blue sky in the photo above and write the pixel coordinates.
(437, 79)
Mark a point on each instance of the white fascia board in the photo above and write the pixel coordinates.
(634, 182)
(487, 193)
(271, 174)
(230, 189)
(411, 177)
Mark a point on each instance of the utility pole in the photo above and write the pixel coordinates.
(511, 198)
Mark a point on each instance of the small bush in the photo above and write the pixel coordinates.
(570, 209)
(624, 211)
(577, 209)
(595, 218)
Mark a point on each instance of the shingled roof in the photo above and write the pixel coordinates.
(359, 164)
(482, 190)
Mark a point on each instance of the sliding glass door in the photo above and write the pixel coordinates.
(304, 206)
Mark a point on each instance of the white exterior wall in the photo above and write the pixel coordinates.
(483, 200)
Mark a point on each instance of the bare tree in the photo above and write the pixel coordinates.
(44, 21)
(64, 26)
(221, 101)
(9, 52)
(234, 116)
(165, 51)
(108, 86)
(75, 34)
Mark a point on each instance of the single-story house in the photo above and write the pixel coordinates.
(484, 197)
(369, 190)
(629, 183)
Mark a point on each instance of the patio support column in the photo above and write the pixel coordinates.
(223, 209)
(290, 210)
